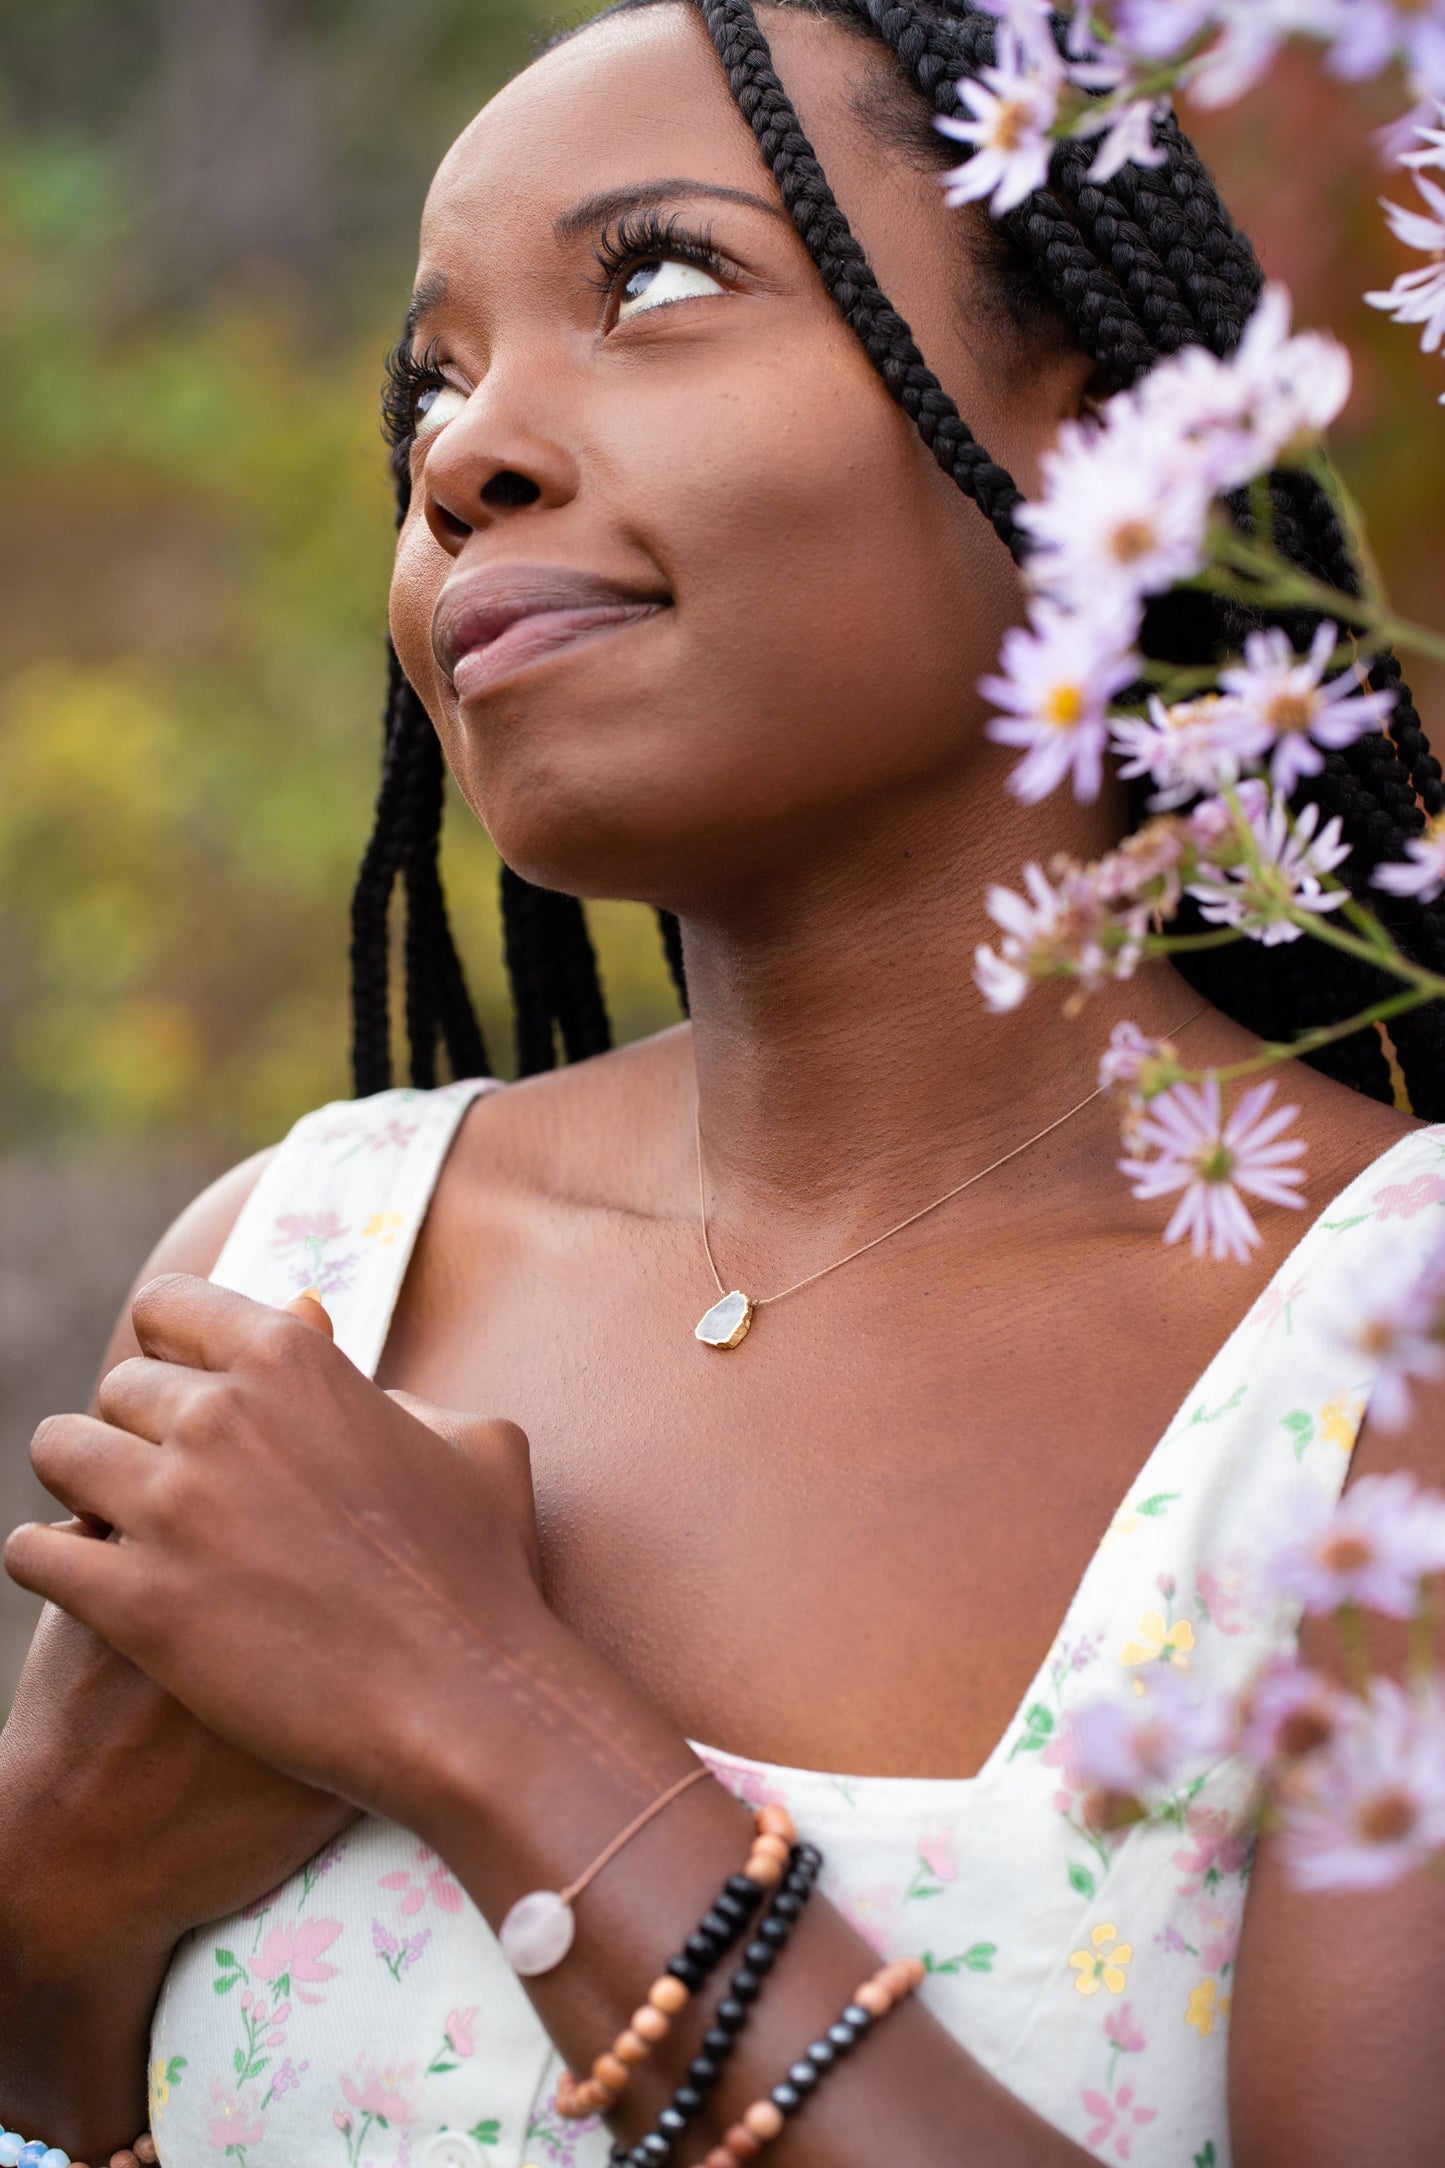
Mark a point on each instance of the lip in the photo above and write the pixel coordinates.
(492, 623)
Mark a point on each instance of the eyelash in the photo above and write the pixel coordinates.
(639, 238)
(643, 237)
(407, 376)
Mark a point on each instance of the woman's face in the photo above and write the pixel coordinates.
(683, 590)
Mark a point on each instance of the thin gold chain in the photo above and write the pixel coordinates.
(762, 1302)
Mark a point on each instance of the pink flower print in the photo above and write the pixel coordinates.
(383, 2090)
(342, 2120)
(870, 1911)
(306, 1229)
(414, 1898)
(397, 1954)
(1226, 1597)
(459, 2031)
(935, 1849)
(233, 2125)
(292, 1954)
(286, 2080)
(1121, 2030)
(441, 1886)
(1275, 1303)
(747, 1784)
(1115, 2120)
(1402, 1200)
(1217, 1846)
(1218, 1940)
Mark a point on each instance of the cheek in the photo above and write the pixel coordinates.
(420, 568)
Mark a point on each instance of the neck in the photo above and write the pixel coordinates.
(847, 1069)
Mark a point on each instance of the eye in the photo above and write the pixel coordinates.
(435, 407)
(654, 285)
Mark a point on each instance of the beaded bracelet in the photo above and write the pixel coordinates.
(730, 2017)
(758, 2125)
(715, 1933)
(18, 2152)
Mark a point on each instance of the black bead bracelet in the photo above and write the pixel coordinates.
(730, 2016)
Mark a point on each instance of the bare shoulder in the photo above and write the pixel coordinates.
(585, 1135)
(192, 1243)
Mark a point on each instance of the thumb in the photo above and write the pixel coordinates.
(312, 1311)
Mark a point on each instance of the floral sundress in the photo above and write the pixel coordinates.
(363, 2016)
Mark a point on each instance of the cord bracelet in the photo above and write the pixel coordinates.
(729, 2018)
(715, 1934)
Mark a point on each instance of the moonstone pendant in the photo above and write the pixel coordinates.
(537, 1933)
(727, 1322)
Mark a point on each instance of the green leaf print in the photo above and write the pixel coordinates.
(1037, 1732)
(1081, 1879)
(238, 2061)
(174, 2068)
(1154, 1508)
(1340, 1227)
(1301, 1426)
(231, 1979)
(1208, 2158)
(1211, 1415)
(977, 1959)
(224, 1957)
(488, 2133)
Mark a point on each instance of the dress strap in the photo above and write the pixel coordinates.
(339, 1205)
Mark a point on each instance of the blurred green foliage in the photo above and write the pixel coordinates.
(207, 218)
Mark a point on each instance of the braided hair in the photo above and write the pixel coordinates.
(1131, 270)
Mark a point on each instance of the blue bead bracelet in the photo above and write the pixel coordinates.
(17, 2152)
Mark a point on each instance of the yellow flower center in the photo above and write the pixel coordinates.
(1131, 539)
(1388, 1817)
(1064, 707)
(1009, 125)
(1291, 711)
(1214, 1163)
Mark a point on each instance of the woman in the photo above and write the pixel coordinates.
(696, 615)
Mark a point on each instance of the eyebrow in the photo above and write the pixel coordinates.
(595, 211)
(429, 295)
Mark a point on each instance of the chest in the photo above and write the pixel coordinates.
(849, 1542)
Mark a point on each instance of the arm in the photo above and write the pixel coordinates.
(1336, 2018)
(437, 1689)
(123, 1822)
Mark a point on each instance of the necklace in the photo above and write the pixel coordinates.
(729, 1321)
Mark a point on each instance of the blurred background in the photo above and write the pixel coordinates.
(207, 230)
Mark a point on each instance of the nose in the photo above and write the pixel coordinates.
(489, 464)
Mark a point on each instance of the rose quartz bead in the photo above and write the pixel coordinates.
(668, 1994)
(124, 2159)
(777, 1822)
(764, 2119)
(650, 2024)
(630, 2047)
(719, 2157)
(740, 2142)
(874, 1997)
(145, 2150)
(537, 1933)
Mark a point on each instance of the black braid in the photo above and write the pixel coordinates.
(1133, 269)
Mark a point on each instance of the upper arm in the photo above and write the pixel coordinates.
(1335, 2048)
(192, 1243)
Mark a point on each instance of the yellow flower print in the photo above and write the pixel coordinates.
(383, 1227)
(1340, 1421)
(159, 2088)
(1160, 1644)
(1106, 1962)
(1205, 2005)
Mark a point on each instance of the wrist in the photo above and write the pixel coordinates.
(528, 1761)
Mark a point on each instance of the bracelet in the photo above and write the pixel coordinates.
(18, 2152)
(539, 1929)
(730, 2017)
(704, 1949)
(758, 2125)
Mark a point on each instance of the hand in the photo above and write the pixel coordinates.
(301, 1561)
(137, 1823)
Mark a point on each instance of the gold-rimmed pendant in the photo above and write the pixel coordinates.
(727, 1322)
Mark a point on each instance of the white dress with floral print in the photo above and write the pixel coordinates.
(362, 2016)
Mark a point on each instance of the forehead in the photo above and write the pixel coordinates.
(631, 97)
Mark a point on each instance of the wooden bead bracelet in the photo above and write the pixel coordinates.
(716, 1932)
(770, 1938)
(758, 2125)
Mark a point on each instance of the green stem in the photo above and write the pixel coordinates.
(1430, 983)
(1355, 1641)
(1270, 581)
(1311, 1041)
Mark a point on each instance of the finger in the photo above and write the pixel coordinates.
(181, 1319)
(146, 1397)
(93, 1468)
(94, 1582)
(312, 1311)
